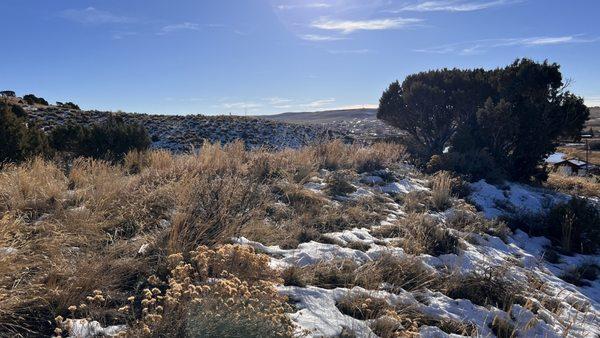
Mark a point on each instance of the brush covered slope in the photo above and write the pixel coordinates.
(181, 133)
(327, 240)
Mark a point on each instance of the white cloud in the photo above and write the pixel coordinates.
(309, 5)
(277, 100)
(316, 37)
(319, 103)
(179, 27)
(454, 5)
(92, 15)
(349, 26)
(481, 46)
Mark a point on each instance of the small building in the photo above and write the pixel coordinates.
(573, 167)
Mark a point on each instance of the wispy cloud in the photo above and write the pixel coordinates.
(482, 46)
(317, 37)
(454, 5)
(277, 100)
(309, 5)
(319, 103)
(92, 15)
(350, 26)
(190, 26)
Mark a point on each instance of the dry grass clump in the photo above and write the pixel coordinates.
(398, 273)
(490, 286)
(415, 201)
(336, 155)
(338, 184)
(441, 191)
(378, 156)
(574, 185)
(470, 222)
(362, 306)
(328, 275)
(503, 328)
(406, 321)
(424, 235)
(333, 155)
(31, 189)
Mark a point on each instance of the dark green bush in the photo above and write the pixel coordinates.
(511, 117)
(32, 99)
(110, 140)
(19, 139)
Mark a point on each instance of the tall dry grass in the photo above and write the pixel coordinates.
(441, 191)
(66, 232)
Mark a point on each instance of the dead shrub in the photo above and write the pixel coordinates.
(212, 209)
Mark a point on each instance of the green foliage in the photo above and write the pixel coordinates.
(110, 140)
(509, 117)
(68, 105)
(32, 99)
(19, 139)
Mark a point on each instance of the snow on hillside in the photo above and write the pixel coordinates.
(317, 313)
(180, 133)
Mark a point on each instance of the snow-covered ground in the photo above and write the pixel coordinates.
(318, 315)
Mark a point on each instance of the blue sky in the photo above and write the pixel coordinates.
(269, 56)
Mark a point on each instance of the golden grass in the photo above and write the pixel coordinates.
(574, 185)
(70, 231)
(440, 191)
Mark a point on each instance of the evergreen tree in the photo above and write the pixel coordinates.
(514, 115)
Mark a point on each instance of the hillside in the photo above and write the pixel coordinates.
(360, 124)
(182, 132)
(325, 116)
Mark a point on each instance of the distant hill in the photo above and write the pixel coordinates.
(358, 124)
(326, 116)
